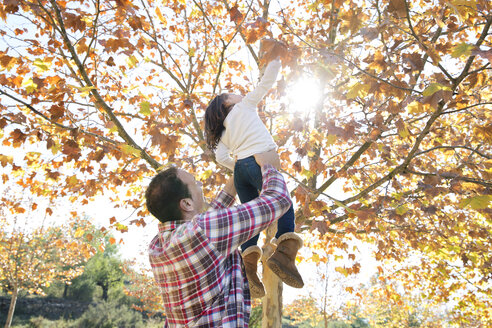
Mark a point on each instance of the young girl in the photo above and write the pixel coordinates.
(235, 132)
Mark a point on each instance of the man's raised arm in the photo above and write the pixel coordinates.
(228, 228)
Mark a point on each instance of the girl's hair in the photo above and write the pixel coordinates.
(215, 115)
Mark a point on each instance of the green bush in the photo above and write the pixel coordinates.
(109, 315)
(40, 322)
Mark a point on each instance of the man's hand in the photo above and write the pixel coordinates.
(229, 186)
(270, 157)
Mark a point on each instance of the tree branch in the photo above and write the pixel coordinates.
(454, 147)
(99, 100)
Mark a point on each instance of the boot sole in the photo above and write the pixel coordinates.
(286, 278)
(255, 291)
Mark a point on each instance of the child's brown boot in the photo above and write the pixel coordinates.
(251, 255)
(282, 262)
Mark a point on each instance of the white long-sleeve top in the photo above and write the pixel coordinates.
(245, 134)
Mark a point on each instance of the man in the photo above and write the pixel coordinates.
(195, 256)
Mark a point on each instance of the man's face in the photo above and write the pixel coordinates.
(195, 188)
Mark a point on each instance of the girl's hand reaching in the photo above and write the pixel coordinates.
(271, 49)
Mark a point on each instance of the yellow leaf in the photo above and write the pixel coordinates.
(464, 8)
(42, 65)
(145, 108)
(72, 181)
(478, 202)
(433, 88)
(84, 91)
(29, 84)
(79, 233)
(129, 150)
(400, 210)
(132, 61)
(331, 139)
(160, 16)
(415, 107)
(358, 90)
(342, 271)
(338, 203)
(463, 49)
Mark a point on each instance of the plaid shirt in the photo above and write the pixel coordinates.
(197, 263)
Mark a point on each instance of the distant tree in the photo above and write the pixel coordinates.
(304, 310)
(386, 305)
(30, 260)
(140, 284)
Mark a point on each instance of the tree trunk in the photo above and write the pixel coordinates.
(272, 302)
(13, 301)
(105, 292)
(105, 287)
(65, 291)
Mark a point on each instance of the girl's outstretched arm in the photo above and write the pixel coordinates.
(252, 99)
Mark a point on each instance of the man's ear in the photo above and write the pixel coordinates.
(186, 204)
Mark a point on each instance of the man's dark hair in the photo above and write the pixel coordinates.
(164, 193)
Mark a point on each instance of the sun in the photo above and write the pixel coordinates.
(303, 94)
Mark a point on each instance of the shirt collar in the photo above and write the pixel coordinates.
(169, 225)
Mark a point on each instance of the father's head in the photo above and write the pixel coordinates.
(174, 194)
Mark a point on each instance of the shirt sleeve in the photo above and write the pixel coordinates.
(269, 77)
(223, 200)
(222, 154)
(228, 228)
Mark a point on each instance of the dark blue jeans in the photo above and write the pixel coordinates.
(248, 183)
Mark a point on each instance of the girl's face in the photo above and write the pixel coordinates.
(231, 99)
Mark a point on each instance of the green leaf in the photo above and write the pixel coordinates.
(145, 108)
(463, 49)
(477, 202)
(433, 88)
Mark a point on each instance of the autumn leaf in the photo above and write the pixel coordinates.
(79, 233)
(358, 90)
(129, 150)
(463, 49)
(477, 202)
(235, 15)
(29, 85)
(433, 88)
(42, 65)
(398, 8)
(145, 108)
(5, 159)
(160, 16)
